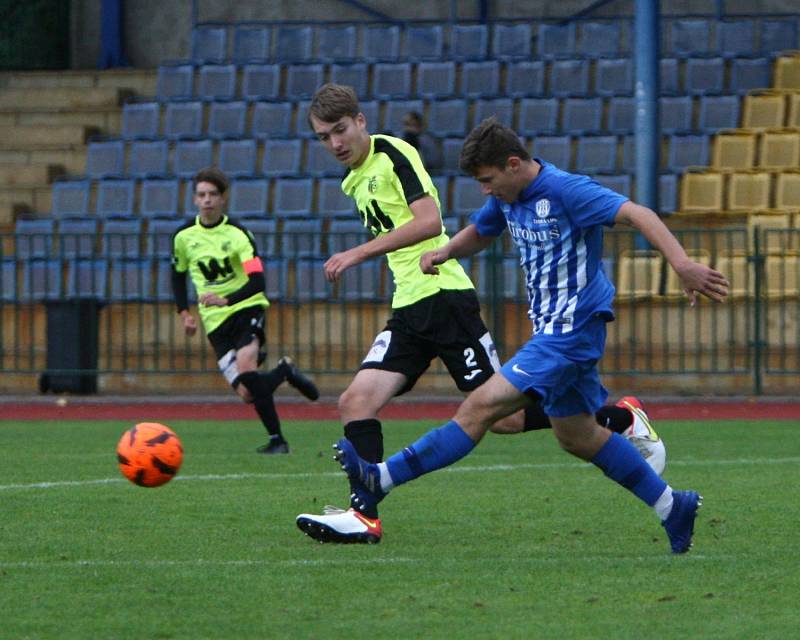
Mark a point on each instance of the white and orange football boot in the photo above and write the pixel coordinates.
(642, 435)
(340, 526)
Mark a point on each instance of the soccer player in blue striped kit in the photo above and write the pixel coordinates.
(555, 219)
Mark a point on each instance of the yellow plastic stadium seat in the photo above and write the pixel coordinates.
(736, 269)
(779, 150)
(787, 190)
(701, 191)
(734, 150)
(639, 274)
(749, 191)
(787, 72)
(673, 287)
(764, 111)
(773, 232)
(783, 276)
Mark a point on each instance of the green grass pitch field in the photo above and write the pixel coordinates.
(518, 540)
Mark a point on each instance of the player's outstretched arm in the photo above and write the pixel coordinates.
(465, 243)
(695, 276)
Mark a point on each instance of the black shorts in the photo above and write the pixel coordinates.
(446, 325)
(236, 332)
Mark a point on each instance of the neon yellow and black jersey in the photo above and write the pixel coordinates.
(383, 187)
(214, 257)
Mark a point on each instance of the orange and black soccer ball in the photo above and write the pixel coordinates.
(149, 454)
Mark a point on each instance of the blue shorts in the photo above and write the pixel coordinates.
(562, 370)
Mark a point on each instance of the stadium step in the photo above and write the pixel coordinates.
(69, 97)
(44, 136)
(20, 174)
(72, 158)
(30, 197)
(141, 81)
(103, 118)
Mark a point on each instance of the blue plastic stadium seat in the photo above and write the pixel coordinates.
(525, 79)
(669, 83)
(140, 120)
(512, 286)
(355, 75)
(209, 44)
(500, 108)
(692, 37)
(106, 158)
(556, 150)
(272, 119)
(451, 153)
(614, 77)
(737, 38)
(122, 238)
(320, 163)
(293, 44)
(301, 127)
(8, 280)
(362, 282)
(777, 35)
(480, 79)
(302, 80)
(512, 41)
(183, 120)
(190, 156)
(395, 110)
(345, 234)
(582, 115)
(371, 110)
(71, 198)
(556, 40)
(628, 154)
(265, 232)
(704, 76)
(115, 197)
(332, 201)
(77, 238)
(675, 114)
(667, 193)
(569, 78)
(130, 279)
(380, 42)
(175, 82)
(442, 184)
(301, 238)
(448, 117)
(248, 196)
(687, 151)
(436, 79)
(620, 183)
(468, 42)
(261, 81)
(251, 45)
(467, 196)
(599, 39)
(310, 283)
(217, 82)
(159, 197)
(148, 158)
(34, 238)
(391, 80)
(41, 280)
(596, 154)
(227, 119)
(276, 275)
(159, 240)
(537, 116)
(422, 42)
(237, 158)
(282, 157)
(718, 112)
(336, 43)
(621, 115)
(293, 197)
(747, 74)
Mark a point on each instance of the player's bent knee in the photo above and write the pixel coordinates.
(250, 385)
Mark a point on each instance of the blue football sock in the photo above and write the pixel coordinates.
(436, 449)
(623, 463)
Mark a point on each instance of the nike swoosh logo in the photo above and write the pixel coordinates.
(515, 368)
(366, 521)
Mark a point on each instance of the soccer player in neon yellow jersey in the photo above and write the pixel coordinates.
(431, 317)
(220, 256)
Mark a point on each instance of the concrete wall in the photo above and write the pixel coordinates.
(156, 30)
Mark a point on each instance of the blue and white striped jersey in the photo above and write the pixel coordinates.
(556, 224)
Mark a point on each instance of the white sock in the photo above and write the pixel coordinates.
(663, 505)
(387, 484)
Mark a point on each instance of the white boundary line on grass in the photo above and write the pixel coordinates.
(78, 564)
(328, 474)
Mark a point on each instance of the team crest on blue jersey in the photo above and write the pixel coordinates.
(543, 208)
(372, 184)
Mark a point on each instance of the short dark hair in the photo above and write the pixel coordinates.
(212, 175)
(332, 102)
(490, 144)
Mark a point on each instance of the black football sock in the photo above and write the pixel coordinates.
(536, 418)
(367, 438)
(617, 419)
(272, 379)
(259, 386)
